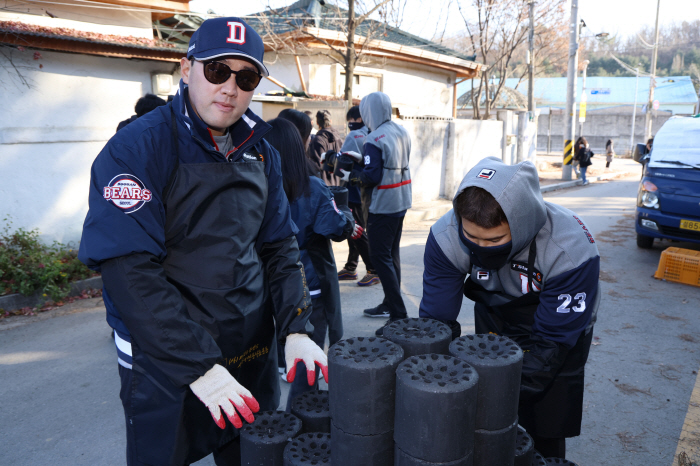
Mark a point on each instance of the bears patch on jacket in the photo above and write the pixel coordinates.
(127, 192)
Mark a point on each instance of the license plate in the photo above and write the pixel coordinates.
(690, 225)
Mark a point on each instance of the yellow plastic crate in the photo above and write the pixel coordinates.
(679, 265)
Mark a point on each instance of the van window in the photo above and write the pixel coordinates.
(677, 144)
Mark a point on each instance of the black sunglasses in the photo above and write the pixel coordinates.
(218, 73)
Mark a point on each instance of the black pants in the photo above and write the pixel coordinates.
(358, 247)
(550, 447)
(384, 240)
(226, 455)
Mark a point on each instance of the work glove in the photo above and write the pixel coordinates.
(299, 347)
(357, 232)
(323, 156)
(357, 157)
(345, 173)
(217, 389)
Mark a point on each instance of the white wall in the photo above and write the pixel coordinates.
(51, 131)
(443, 151)
(415, 89)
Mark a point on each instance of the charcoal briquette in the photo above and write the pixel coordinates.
(309, 449)
(313, 410)
(499, 361)
(495, 448)
(362, 384)
(524, 448)
(435, 407)
(538, 459)
(263, 441)
(419, 336)
(404, 459)
(560, 461)
(365, 450)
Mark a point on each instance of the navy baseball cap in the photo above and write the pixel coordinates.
(227, 37)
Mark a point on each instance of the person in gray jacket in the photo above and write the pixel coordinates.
(531, 268)
(387, 150)
(354, 142)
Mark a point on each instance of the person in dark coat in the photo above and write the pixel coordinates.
(319, 220)
(326, 139)
(191, 229)
(531, 268)
(302, 122)
(354, 142)
(144, 105)
(583, 157)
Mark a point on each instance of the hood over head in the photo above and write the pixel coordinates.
(375, 109)
(516, 188)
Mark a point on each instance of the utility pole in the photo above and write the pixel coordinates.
(652, 79)
(634, 110)
(531, 63)
(571, 74)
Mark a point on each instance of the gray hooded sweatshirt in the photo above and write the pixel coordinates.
(393, 193)
(567, 262)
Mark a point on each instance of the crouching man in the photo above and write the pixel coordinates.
(531, 269)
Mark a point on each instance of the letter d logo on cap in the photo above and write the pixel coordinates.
(236, 32)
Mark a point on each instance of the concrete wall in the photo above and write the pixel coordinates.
(597, 129)
(443, 151)
(52, 129)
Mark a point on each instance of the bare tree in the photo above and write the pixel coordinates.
(293, 33)
(497, 34)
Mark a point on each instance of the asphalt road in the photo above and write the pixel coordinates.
(60, 389)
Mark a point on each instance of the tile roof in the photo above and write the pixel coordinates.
(297, 14)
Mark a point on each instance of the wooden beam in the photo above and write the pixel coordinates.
(301, 75)
(454, 100)
(180, 6)
(89, 48)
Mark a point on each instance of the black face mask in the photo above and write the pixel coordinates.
(490, 257)
(355, 125)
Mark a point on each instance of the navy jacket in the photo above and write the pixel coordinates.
(317, 214)
(142, 152)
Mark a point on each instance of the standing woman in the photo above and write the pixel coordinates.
(609, 153)
(583, 157)
(318, 219)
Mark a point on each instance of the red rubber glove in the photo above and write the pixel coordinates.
(299, 347)
(218, 390)
(357, 232)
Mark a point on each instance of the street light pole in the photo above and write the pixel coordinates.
(531, 62)
(583, 98)
(571, 75)
(652, 79)
(634, 111)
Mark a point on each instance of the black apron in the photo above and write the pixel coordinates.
(556, 411)
(214, 212)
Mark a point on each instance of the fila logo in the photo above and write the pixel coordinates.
(482, 275)
(486, 173)
(236, 32)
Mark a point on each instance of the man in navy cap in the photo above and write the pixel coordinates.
(191, 229)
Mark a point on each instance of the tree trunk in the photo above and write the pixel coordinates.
(350, 53)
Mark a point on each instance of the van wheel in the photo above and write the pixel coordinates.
(645, 242)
